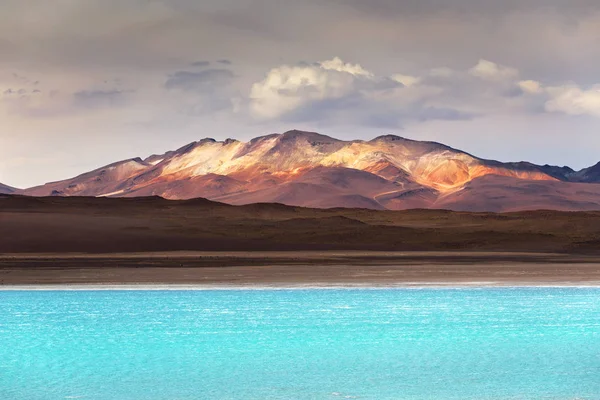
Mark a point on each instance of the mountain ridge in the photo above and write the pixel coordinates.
(5, 189)
(310, 169)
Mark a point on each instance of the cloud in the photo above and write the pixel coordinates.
(487, 8)
(336, 64)
(491, 71)
(336, 91)
(200, 64)
(287, 88)
(34, 100)
(99, 98)
(395, 119)
(530, 86)
(573, 100)
(203, 81)
(406, 80)
(202, 93)
(224, 62)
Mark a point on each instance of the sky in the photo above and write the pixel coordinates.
(84, 83)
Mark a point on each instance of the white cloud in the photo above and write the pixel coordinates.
(336, 64)
(491, 71)
(530, 86)
(340, 92)
(441, 72)
(286, 88)
(406, 80)
(573, 100)
(327, 89)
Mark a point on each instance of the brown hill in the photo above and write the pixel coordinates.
(84, 224)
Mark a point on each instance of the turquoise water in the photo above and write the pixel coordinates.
(521, 343)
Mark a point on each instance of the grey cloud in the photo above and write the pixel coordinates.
(326, 92)
(224, 62)
(200, 64)
(443, 113)
(380, 84)
(203, 106)
(383, 121)
(460, 87)
(249, 20)
(512, 91)
(358, 110)
(395, 119)
(20, 92)
(202, 81)
(20, 78)
(327, 110)
(360, 85)
(25, 86)
(300, 91)
(159, 35)
(467, 7)
(206, 91)
(99, 98)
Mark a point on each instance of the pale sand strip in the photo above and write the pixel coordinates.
(303, 269)
(366, 286)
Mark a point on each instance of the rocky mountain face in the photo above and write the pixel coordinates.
(591, 174)
(313, 170)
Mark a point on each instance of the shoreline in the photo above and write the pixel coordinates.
(302, 269)
(201, 288)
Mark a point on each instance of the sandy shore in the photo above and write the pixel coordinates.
(301, 269)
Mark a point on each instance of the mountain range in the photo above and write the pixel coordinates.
(313, 170)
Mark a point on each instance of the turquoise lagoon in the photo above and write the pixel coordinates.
(492, 343)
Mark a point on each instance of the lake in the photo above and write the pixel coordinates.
(488, 343)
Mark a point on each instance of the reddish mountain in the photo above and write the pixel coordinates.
(504, 194)
(313, 170)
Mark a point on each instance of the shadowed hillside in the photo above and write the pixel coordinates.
(83, 224)
(4, 189)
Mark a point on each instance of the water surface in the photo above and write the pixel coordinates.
(493, 343)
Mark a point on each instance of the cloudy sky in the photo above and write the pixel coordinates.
(87, 82)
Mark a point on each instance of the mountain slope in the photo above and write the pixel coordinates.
(310, 169)
(589, 175)
(504, 194)
(5, 189)
(100, 182)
